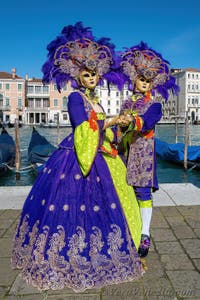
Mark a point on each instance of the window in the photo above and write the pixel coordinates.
(108, 110)
(19, 86)
(55, 87)
(55, 102)
(37, 103)
(30, 103)
(65, 88)
(38, 89)
(108, 102)
(45, 89)
(7, 102)
(7, 86)
(30, 89)
(0, 86)
(117, 110)
(19, 102)
(45, 102)
(65, 118)
(64, 102)
(117, 102)
(189, 75)
(117, 94)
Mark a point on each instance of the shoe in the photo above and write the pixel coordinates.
(144, 245)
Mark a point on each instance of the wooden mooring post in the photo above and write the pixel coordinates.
(17, 151)
(176, 129)
(58, 129)
(186, 140)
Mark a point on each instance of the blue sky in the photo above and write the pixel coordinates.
(171, 28)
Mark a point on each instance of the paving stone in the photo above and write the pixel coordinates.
(176, 262)
(192, 247)
(197, 232)
(186, 284)
(158, 287)
(7, 275)
(125, 291)
(194, 221)
(162, 234)
(10, 214)
(169, 211)
(10, 231)
(2, 232)
(183, 232)
(3, 291)
(20, 287)
(27, 297)
(74, 297)
(5, 223)
(189, 210)
(175, 221)
(172, 297)
(169, 248)
(6, 247)
(158, 222)
(197, 263)
(154, 266)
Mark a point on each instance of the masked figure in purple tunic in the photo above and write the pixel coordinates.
(148, 76)
(80, 226)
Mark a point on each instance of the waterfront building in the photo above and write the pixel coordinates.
(12, 96)
(44, 104)
(187, 102)
(34, 103)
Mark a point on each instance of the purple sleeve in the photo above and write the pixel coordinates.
(151, 116)
(77, 113)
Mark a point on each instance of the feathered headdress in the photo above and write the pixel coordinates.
(140, 60)
(77, 49)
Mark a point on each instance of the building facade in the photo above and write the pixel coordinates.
(187, 102)
(12, 96)
(34, 103)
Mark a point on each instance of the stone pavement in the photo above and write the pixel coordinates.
(173, 261)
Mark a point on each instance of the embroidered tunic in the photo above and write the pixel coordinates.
(80, 225)
(139, 141)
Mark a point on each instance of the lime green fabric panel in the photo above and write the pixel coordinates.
(86, 142)
(145, 204)
(127, 197)
(109, 135)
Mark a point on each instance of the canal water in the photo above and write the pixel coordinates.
(167, 172)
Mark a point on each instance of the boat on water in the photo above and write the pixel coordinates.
(39, 150)
(174, 153)
(7, 151)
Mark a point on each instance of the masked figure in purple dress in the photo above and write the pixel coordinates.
(148, 76)
(80, 225)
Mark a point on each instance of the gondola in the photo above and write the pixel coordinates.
(39, 150)
(174, 153)
(7, 151)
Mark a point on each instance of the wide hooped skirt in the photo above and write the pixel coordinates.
(78, 232)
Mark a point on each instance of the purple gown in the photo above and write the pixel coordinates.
(72, 231)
